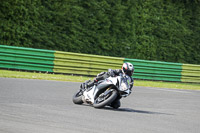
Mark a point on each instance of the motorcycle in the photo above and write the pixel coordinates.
(104, 92)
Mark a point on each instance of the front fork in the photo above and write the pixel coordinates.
(88, 95)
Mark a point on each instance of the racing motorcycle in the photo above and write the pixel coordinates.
(104, 92)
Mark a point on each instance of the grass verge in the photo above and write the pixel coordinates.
(60, 77)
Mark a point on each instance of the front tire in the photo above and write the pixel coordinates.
(112, 95)
(77, 98)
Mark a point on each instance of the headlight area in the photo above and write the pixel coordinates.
(123, 87)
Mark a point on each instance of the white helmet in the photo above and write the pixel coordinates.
(128, 68)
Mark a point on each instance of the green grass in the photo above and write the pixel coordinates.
(60, 77)
(42, 76)
(173, 85)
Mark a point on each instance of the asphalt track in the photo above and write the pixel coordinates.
(39, 106)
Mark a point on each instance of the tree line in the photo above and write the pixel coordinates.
(162, 30)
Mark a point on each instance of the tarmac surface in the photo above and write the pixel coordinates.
(40, 106)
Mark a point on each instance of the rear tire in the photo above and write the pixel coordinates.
(107, 101)
(77, 98)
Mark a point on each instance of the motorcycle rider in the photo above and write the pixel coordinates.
(127, 68)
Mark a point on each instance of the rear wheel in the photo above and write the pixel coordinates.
(77, 98)
(105, 98)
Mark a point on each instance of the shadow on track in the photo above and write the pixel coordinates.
(134, 111)
(130, 110)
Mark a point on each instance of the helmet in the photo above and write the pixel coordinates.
(128, 68)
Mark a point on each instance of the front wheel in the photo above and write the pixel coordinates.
(77, 98)
(105, 98)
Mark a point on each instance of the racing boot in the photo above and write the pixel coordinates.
(116, 104)
(89, 85)
(84, 85)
